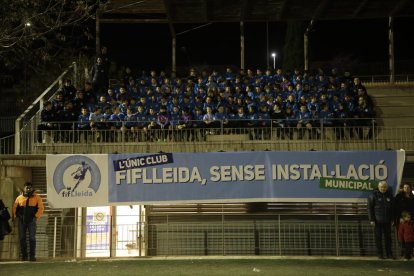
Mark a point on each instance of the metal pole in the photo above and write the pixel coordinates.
(242, 45)
(391, 49)
(222, 231)
(373, 131)
(305, 51)
(75, 73)
(168, 236)
(336, 233)
(139, 227)
(75, 232)
(79, 240)
(279, 235)
(74, 134)
(17, 136)
(222, 134)
(174, 56)
(112, 236)
(98, 32)
(322, 134)
(305, 45)
(54, 237)
(267, 46)
(144, 235)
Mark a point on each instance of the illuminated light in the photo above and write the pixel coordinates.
(274, 59)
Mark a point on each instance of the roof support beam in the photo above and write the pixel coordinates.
(283, 9)
(173, 36)
(207, 13)
(319, 9)
(244, 10)
(398, 7)
(359, 8)
(168, 8)
(132, 21)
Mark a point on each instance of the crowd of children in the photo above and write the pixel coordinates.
(141, 105)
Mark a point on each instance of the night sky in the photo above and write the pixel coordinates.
(148, 46)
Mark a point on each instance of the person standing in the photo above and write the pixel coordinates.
(99, 77)
(406, 234)
(48, 120)
(27, 209)
(404, 201)
(5, 228)
(380, 214)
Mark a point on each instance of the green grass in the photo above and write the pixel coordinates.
(227, 267)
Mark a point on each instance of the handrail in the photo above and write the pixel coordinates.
(217, 138)
(6, 144)
(39, 101)
(385, 79)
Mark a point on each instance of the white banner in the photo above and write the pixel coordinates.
(77, 180)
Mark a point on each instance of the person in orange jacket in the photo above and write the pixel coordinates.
(27, 209)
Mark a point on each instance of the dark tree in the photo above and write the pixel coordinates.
(39, 38)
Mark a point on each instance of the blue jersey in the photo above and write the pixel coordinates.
(264, 118)
(130, 121)
(303, 117)
(83, 121)
(290, 119)
(220, 116)
(252, 119)
(326, 117)
(116, 119)
(175, 118)
(142, 119)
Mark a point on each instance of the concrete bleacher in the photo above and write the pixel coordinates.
(394, 105)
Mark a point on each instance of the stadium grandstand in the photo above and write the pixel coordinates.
(212, 161)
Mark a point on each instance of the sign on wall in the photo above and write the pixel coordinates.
(121, 179)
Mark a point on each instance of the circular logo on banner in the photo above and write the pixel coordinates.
(99, 216)
(77, 176)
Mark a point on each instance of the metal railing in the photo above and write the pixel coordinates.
(7, 145)
(33, 111)
(386, 79)
(203, 235)
(277, 235)
(119, 137)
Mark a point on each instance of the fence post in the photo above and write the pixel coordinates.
(256, 237)
(54, 237)
(72, 136)
(168, 236)
(222, 134)
(17, 136)
(113, 232)
(374, 140)
(122, 136)
(322, 134)
(75, 233)
(336, 231)
(75, 71)
(279, 235)
(222, 231)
